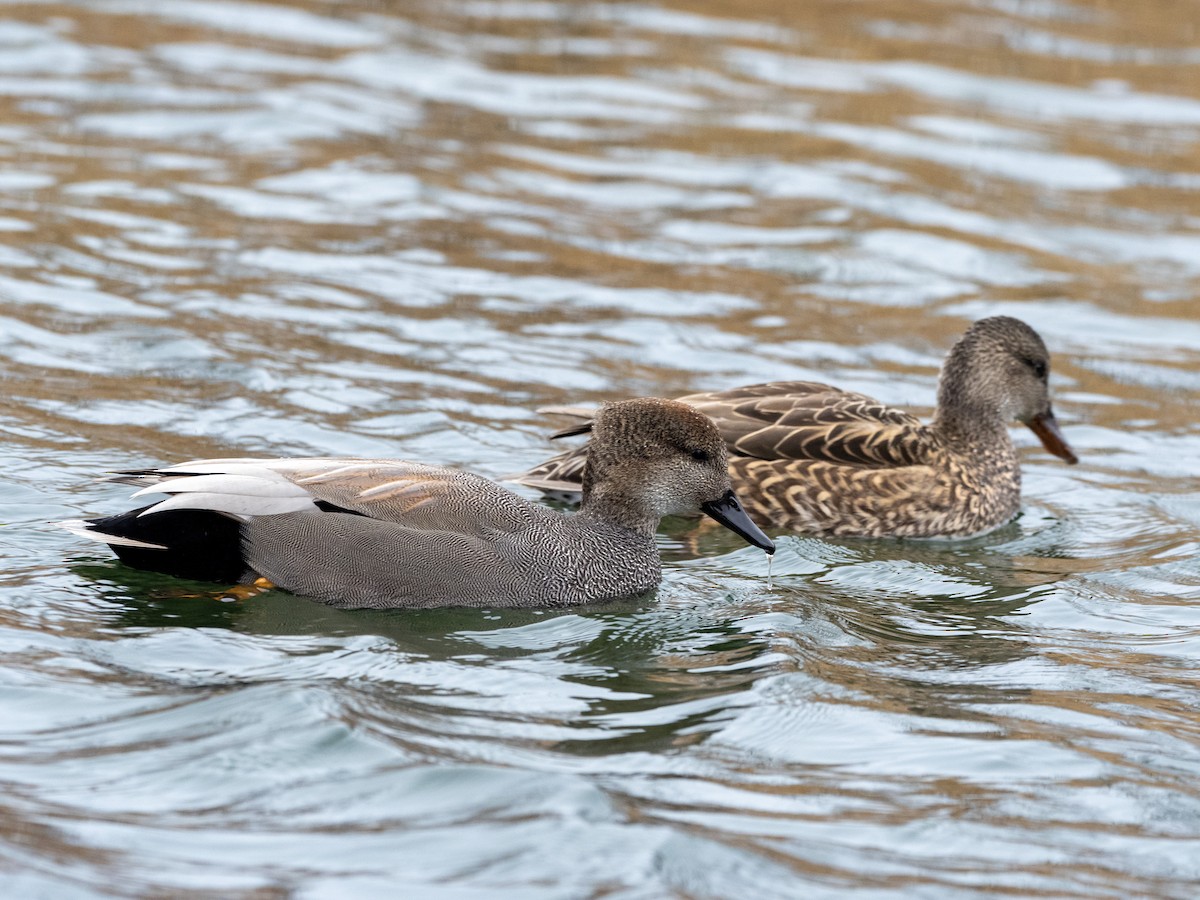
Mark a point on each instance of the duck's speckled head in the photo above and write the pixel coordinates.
(650, 458)
(999, 370)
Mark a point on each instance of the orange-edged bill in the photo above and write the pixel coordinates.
(1045, 426)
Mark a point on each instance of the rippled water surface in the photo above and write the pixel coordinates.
(399, 229)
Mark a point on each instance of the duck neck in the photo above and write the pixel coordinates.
(967, 416)
(972, 430)
(601, 504)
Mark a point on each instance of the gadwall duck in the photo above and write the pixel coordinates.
(815, 459)
(388, 533)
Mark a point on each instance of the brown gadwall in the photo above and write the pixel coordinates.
(388, 533)
(815, 459)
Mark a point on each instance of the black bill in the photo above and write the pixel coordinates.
(728, 511)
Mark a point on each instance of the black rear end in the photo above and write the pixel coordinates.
(201, 545)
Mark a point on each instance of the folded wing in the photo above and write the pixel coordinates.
(412, 494)
(806, 420)
(803, 421)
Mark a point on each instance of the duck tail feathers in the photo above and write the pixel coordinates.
(198, 544)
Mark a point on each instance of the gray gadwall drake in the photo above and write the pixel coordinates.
(388, 533)
(812, 458)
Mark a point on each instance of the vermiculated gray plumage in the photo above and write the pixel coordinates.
(354, 561)
(816, 459)
(391, 533)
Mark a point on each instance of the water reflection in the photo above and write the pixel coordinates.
(352, 229)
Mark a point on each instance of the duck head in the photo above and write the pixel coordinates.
(1000, 369)
(650, 458)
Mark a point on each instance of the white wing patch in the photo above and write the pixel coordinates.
(228, 483)
(234, 504)
(241, 488)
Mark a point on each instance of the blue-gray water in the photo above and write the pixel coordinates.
(398, 229)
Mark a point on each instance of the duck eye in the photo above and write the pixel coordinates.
(700, 455)
(1037, 365)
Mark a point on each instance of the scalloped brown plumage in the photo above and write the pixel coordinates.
(812, 458)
